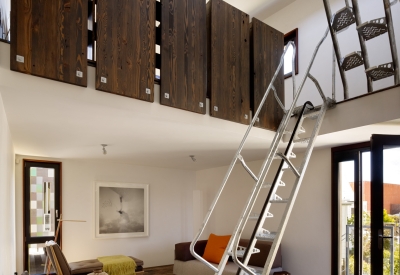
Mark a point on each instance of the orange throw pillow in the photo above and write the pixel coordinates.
(215, 248)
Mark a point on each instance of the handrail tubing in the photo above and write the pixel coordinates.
(208, 215)
(267, 163)
(295, 190)
(273, 187)
(318, 86)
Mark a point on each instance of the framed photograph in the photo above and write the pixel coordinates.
(122, 210)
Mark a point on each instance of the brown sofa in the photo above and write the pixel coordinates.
(186, 264)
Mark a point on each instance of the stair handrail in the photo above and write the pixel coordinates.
(274, 143)
(261, 178)
(245, 257)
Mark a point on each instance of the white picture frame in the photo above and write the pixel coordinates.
(121, 210)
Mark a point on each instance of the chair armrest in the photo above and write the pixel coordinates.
(182, 250)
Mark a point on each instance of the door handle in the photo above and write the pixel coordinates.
(380, 235)
(380, 244)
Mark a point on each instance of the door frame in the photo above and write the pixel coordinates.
(340, 154)
(378, 142)
(24, 204)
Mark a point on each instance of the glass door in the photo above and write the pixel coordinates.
(385, 207)
(346, 210)
(42, 193)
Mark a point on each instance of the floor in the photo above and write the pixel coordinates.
(159, 270)
(36, 264)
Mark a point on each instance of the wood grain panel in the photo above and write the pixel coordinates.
(126, 47)
(228, 61)
(183, 55)
(51, 36)
(266, 51)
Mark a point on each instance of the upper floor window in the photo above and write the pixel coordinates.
(291, 36)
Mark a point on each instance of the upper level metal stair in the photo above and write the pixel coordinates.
(347, 16)
(286, 166)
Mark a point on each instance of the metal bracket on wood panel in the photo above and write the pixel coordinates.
(201, 105)
(166, 95)
(216, 108)
(246, 117)
(103, 79)
(148, 91)
(20, 59)
(79, 74)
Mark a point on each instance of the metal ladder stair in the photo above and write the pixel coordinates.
(347, 16)
(286, 166)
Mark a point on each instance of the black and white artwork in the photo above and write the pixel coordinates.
(121, 210)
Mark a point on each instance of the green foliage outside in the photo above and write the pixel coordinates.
(366, 243)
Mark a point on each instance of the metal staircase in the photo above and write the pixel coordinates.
(286, 166)
(347, 16)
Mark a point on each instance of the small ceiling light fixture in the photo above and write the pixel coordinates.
(193, 158)
(104, 149)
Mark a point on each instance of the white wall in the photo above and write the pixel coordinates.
(309, 17)
(7, 197)
(170, 199)
(306, 242)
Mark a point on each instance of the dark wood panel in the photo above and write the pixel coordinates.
(183, 55)
(51, 36)
(266, 51)
(229, 62)
(126, 47)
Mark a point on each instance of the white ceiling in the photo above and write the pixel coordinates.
(261, 9)
(52, 119)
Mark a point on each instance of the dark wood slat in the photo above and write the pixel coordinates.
(183, 55)
(126, 47)
(21, 36)
(267, 49)
(229, 62)
(52, 38)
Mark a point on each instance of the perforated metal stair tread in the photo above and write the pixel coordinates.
(311, 115)
(240, 251)
(302, 140)
(280, 201)
(268, 185)
(343, 19)
(301, 130)
(291, 156)
(381, 71)
(373, 28)
(352, 60)
(266, 236)
(256, 216)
